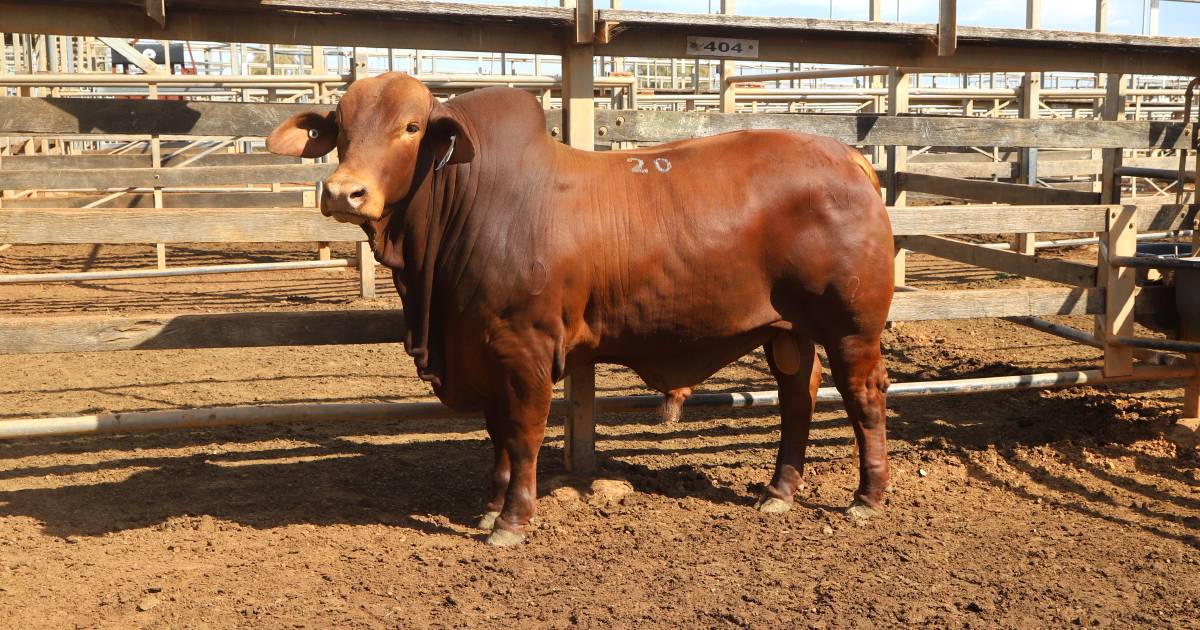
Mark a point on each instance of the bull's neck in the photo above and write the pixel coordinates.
(416, 229)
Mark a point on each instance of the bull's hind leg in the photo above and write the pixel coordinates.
(862, 381)
(501, 472)
(797, 371)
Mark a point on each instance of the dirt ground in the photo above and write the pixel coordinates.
(1024, 510)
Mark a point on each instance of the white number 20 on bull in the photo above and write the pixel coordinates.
(662, 165)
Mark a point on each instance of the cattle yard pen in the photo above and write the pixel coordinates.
(891, 119)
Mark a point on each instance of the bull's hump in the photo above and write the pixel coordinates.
(503, 115)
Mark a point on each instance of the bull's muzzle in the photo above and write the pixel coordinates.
(344, 199)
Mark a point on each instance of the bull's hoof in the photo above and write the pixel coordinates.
(504, 538)
(488, 521)
(860, 511)
(772, 505)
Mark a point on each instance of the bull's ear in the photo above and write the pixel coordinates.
(310, 135)
(444, 123)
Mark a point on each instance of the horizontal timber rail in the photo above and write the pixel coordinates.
(661, 34)
(37, 226)
(169, 177)
(997, 192)
(67, 116)
(82, 276)
(349, 412)
(42, 335)
(879, 130)
(1053, 270)
(46, 226)
(622, 33)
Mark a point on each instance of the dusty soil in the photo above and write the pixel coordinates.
(1037, 509)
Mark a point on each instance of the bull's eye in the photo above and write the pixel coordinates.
(412, 128)
(313, 133)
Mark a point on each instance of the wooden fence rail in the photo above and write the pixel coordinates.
(38, 335)
(56, 116)
(293, 225)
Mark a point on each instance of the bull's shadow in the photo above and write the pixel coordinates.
(429, 485)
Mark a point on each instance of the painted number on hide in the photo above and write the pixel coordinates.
(662, 165)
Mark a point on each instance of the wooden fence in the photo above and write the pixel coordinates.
(1102, 289)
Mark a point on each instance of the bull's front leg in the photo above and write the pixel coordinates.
(519, 421)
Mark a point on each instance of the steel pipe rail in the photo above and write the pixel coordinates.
(1089, 240)
(1153, 173)
(1170, 345)
(1155, 262)
(83, 276)
(49, 79)
(351, 412)
(831, 73)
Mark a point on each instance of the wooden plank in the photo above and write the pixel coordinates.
(997, 192)
(20, 115)
(366, 270)
(423, 25)
(287, 199)
(728, 96)
(580, 426)
(169, 177)
(947, 35)
(989, 219)
(1053, 270)
(1120, 237)
(70, 225)
(874, 129)
(418, 9)
(100, 333)
(33, 335)
(111, 116)
(130, 160)
(1160, 217)
(662, 34)
(928, 305)
(133, 55)
(239, 225)
(579, 434)
(1003, 170)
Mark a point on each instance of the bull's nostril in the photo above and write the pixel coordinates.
(357, 193)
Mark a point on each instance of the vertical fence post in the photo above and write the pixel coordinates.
(365, 258)
(1191, 389)
(897, 158)
(728, 68)
(579, 429)
(1101, 82)
(875, 14)
(366, 269)
(1031, 100)
(1120, 237)
(160, 249)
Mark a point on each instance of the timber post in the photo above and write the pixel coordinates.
(579, 122)
(897, 158)
(728, 69)
(1030, 105)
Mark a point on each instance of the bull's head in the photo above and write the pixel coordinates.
(384, 129)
